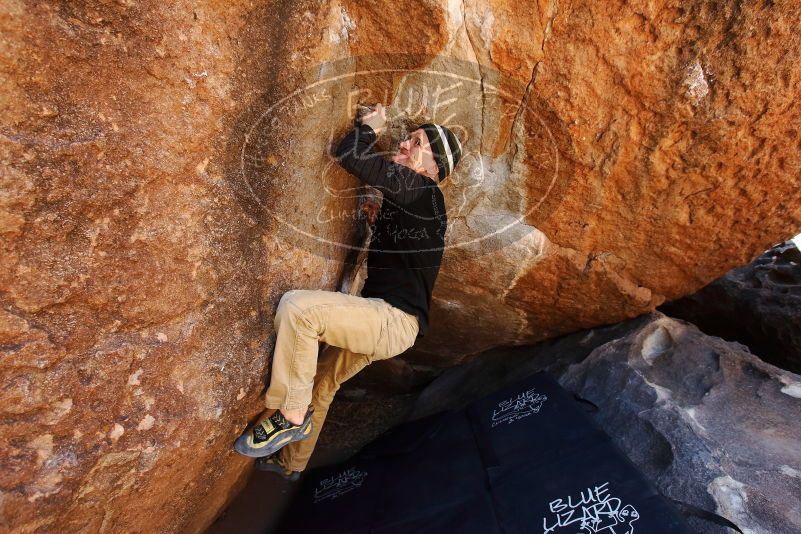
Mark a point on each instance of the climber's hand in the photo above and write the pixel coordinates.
(377, 119)
(370, 209)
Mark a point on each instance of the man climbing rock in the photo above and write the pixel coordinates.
(392, 312)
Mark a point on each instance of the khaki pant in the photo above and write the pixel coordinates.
(357, 330)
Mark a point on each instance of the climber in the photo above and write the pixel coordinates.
(392, 312)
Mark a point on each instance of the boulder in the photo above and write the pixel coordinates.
(166, 178)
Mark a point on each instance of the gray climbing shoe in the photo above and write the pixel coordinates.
(273, 463)
(272, 433)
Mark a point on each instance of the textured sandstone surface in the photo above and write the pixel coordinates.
(709, 422)
(159, 191)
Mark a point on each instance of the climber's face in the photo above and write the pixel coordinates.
(415, 152)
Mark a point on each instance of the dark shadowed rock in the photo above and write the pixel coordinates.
(758, 305)
(707, 421)
(494, 369)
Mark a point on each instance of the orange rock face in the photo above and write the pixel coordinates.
(165, 179)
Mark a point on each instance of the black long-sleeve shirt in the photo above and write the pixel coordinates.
(409, 235)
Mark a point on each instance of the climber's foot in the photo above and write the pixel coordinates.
(271, 433)
(295, 417)
(273, 463)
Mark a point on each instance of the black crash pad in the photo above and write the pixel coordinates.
(526, 459)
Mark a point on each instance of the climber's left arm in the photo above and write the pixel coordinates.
(356, 154)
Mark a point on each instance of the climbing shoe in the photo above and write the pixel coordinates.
(273, 463)
(272, 433)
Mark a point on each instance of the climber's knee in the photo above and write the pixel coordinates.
(299, 300)
(325, 386)
(290, 306)
(286, 297)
